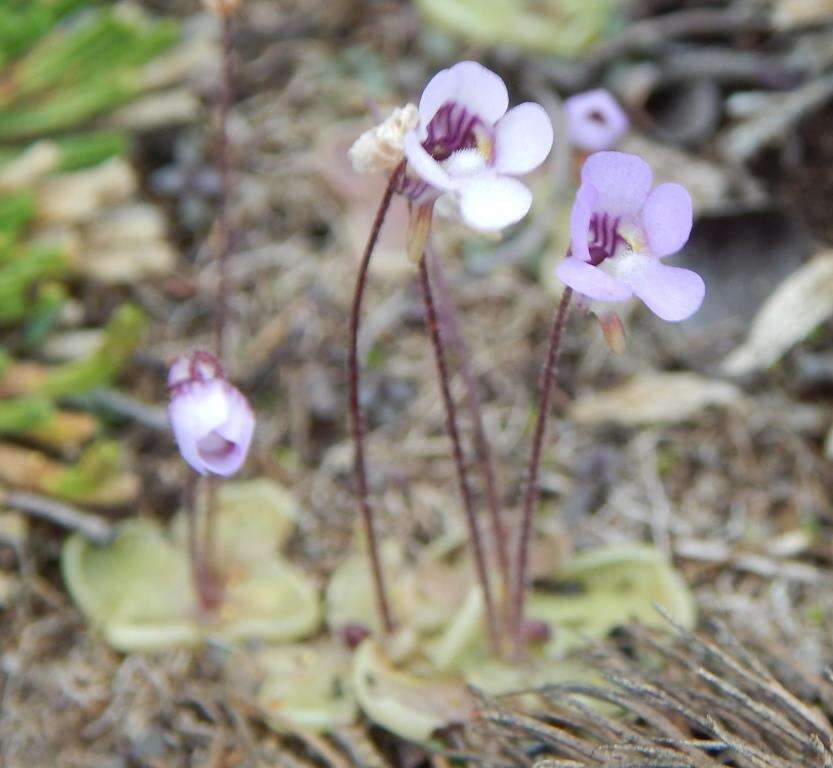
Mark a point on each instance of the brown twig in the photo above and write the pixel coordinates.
(531, 490)
(88, 525)
(356, 423)
(450, 328)
(459, 461)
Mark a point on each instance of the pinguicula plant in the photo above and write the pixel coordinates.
(213, 425)
(211, 420)
(595, 121)
(620, 230)
(463, 143)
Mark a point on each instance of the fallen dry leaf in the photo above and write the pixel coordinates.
(79, 196)
(654, 398)
(789, 315)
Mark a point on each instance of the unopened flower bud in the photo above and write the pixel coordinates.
(211, 420)
(595, 121)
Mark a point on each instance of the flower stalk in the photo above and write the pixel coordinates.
(450, 329)
(356, 421)
(530, 497)
(223, 224)
(208, 585)
(453, 430)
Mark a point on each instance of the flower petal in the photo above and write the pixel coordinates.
(197, 409)
(586, 200)
(595, 121)
(440, 89)
(591, 281)
(671, 293)
(237, 431)
(523, 139)
(490, 203)
(622, 180)
(425, 166)
(667, 218)
(469, 84)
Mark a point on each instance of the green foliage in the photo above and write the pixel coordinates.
(89, 149)
(23, 22)
(19, 274)
(137, 589)
(69, 73)
(46, 309)
(98, 464)
(121, 336)
(16, 210)
(554, 27)
(63, 63)
(22, 414)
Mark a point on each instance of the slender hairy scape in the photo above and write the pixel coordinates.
(530, 498)
(450, 329)
(205, 563)
(356, 423)
(223, 224)
(459, 461)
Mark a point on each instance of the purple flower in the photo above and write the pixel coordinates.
(595, 120)
(211, 420)
(468, 145)
(620, 229)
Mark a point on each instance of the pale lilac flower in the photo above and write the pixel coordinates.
(211, 420)
(468, 145)
(595, 121)
(620, 229)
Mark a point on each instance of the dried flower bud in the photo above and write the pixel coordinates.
(211, 420)
(382, 147)
(536, 632)
(222, 7)
(353, 634)
(614, 332)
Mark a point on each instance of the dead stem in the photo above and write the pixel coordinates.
(356, 423)
(459, 461)
(450, 328)
(88, 525)
(531, 489)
